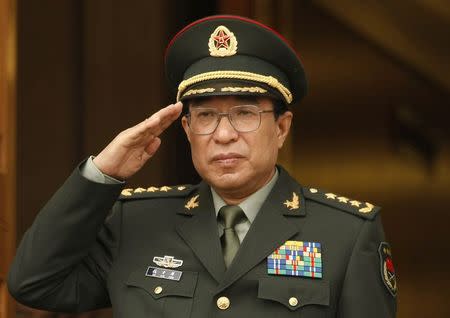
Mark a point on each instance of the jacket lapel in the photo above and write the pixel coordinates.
(270, 229)
(199, 231)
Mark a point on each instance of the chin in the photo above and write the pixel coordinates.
(227, 179)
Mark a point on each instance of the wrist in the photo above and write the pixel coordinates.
(102, 168)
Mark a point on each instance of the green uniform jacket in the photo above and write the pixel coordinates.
(72, 260)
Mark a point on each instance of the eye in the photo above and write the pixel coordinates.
(245, 112)
(205, 113)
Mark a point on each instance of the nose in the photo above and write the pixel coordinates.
(225, 132)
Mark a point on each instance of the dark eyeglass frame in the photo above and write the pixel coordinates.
(228, 115)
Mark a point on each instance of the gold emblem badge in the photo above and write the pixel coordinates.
(294, 203)
(192, 203)
(222, 42)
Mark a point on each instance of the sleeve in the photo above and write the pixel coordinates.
(63, 260)
(90, 171)
(365, 292)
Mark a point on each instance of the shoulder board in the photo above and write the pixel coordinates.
(364, 210)
(156, 192)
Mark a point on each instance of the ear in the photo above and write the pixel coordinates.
(184, 123)
(283, 127)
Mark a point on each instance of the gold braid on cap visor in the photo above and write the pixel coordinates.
(269, 80)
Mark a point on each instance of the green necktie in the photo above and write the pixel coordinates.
(230, 215)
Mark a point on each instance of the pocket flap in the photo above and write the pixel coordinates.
(305, 291)
(159, 287)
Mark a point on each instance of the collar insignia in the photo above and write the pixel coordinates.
(222, 42)
(192, 203)
(294, 203)
(167, 261)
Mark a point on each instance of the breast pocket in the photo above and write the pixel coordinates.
(150, 296)
(296, 294)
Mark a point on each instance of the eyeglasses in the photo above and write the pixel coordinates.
(243, 118)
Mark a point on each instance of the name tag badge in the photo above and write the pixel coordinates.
(163, 273)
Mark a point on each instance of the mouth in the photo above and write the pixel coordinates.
(227, 159)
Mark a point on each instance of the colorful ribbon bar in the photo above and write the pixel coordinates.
(296, 258)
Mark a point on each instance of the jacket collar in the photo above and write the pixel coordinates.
(270, 229)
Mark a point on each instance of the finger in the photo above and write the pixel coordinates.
(169, 113)
(152, 148)
(143, 133)
(164, 124)
(154, 125)
(158, 122)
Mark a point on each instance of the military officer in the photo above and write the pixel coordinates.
(248, 241)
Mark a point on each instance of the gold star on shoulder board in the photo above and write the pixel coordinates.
(152, 189)
(126, 192)
(139, 190)
(355, 203)
(343, 199)
(192, 203)
(165, 188)
(331, 196)
(294, 203)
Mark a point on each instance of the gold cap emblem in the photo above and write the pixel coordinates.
(222, 42)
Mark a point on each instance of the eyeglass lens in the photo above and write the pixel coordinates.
(243, 118)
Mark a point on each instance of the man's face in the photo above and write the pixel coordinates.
(237, 163)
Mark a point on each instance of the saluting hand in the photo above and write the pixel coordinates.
(131, 149)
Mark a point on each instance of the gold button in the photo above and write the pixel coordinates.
(313, 190)
(293, 301)
(158, 290)
(223, 303)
